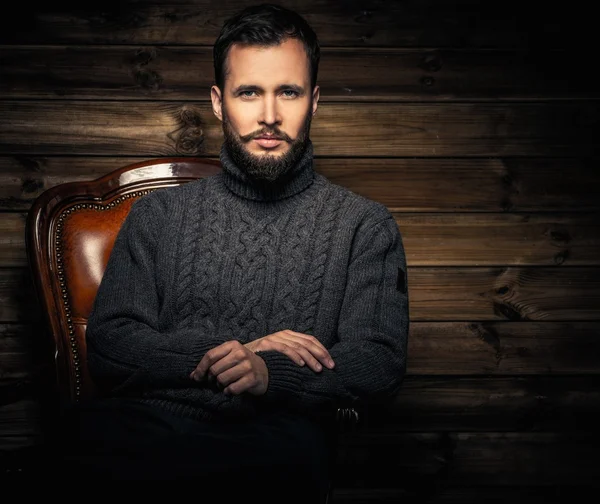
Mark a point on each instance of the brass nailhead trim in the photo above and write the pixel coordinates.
(62, 279)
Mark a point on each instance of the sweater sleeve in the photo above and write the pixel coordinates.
(370, 355)
(125, 348)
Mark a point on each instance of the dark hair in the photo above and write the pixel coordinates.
(265, 25)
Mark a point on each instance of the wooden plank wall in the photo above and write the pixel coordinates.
(476, 123)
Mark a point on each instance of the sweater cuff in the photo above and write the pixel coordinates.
(174, 364)
(285, 376)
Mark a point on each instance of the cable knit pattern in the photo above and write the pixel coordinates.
(289, 275)
(322, 244)
(205, 296)
(226, 258)
(185, 300)
(249, 275)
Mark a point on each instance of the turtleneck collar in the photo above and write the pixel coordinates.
(297, 179)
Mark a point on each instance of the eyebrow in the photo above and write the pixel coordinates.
(283, 87)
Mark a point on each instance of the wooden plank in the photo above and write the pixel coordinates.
(349, 130)
(484, 403)
(465, 23)
(12, 239)
(436, 294)
(456, 185)
(477, 459)
(527, 458)
(503, 348)
(417, 185)
(512, 293)
(345, 74)
(434, 349)
(500, 239)
(443, 240)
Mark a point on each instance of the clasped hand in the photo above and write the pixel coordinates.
(237, 368)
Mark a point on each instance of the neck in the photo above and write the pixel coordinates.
(296, 180)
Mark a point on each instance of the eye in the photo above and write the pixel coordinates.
(292, 95)
(245, 95)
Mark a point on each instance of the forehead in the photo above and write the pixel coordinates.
(268, 66)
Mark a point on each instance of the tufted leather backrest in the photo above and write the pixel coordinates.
(70, 232)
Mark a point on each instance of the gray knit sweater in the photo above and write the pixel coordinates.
(223, 258)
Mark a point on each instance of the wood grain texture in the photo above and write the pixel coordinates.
(503, 348)
(436, 294)
(350, 130)
(423, 23)
(413, 185)
(458, 239)
(345, 74)
(12, 240)
(461, 239)
(511, 293)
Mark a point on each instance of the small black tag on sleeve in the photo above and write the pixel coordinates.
(401, 281)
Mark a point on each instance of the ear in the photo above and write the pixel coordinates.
(217, 102)
(315, 99)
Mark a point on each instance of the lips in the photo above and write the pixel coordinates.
(268, 142)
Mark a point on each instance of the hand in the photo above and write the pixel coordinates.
(236, 368)
(301, 348)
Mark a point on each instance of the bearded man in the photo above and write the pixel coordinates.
(237, 312)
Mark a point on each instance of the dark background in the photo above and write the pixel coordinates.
(475, 123)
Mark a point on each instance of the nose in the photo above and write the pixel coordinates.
(270, 114)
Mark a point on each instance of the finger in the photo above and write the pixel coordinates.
(213, 355)
(311, 361)
(306, 339)
(300, 348)
(229, 361)
(240, 386)
(234, 374)
(315, 347)
(231, 367)
(313, 354)
(280, 345)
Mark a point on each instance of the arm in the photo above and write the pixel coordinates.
(125, 347)
(370, 357)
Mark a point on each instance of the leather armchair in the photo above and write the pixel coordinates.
(71, 229)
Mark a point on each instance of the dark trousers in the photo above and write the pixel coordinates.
(279, 457)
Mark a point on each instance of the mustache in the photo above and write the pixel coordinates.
(276, 133)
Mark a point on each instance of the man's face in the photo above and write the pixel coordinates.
(266, 94)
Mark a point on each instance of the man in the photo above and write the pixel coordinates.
(237, 312)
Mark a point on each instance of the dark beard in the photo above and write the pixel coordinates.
(266, 168)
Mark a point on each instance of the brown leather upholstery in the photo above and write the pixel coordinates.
(71, 229)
